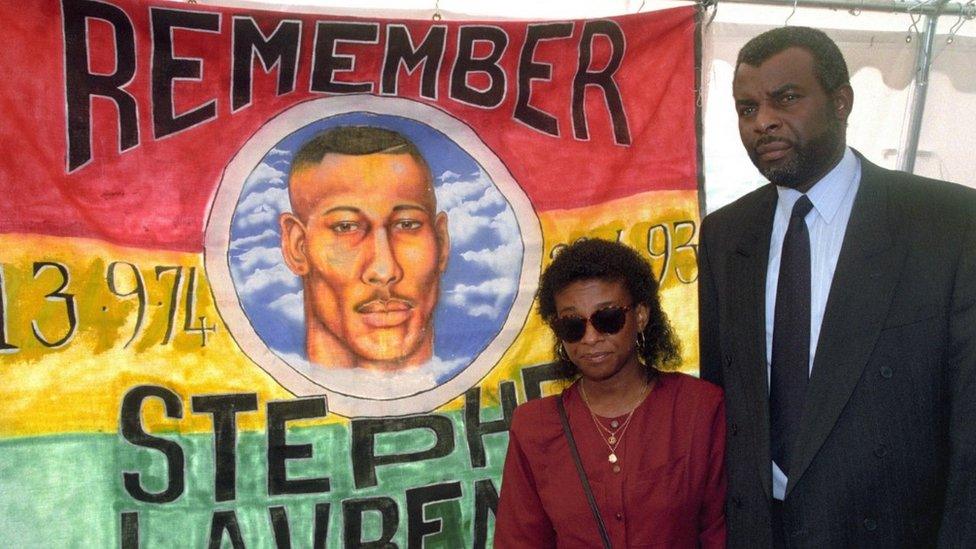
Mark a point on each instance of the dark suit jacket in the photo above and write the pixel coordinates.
(886, 456)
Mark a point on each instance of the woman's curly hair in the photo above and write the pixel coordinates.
(591, 259)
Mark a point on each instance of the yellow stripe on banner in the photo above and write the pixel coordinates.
(84, 322)
(76, 341)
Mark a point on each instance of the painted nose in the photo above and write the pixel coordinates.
(383, 269)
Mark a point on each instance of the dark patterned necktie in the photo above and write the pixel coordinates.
(790, 364)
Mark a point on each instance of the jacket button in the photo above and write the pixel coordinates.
(728, 360)
(880, 451)
(619, 516)
(886, 372)
(870, 524)
(737, 503)
(733, 429)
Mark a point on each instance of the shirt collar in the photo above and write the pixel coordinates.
(827, 194)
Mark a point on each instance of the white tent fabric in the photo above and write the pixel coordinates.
(881, 61)
(948, 139)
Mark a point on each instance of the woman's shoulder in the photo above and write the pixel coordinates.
(536, 423)
(535, 410)
(539, 417)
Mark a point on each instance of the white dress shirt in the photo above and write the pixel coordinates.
(832, 198)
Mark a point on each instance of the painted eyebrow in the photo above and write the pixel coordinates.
(407, 207)
(343, 209)
(353, 209)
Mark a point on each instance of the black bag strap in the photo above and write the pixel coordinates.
(582, 474)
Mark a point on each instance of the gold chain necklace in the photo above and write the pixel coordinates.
(613, 437)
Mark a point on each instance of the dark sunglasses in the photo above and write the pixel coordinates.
(608, 321)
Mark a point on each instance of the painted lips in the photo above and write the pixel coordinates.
(385, 313)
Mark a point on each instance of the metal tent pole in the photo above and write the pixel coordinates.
(923, 62)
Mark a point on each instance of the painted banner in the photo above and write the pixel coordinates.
(267, 278)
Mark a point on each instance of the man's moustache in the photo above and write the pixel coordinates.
(378, 304)
(769, 139)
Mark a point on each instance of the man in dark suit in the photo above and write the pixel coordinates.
(838, 311)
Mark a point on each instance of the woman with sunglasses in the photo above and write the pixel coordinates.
(649, 443)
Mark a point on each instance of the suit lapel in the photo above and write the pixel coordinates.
(860, 295)
(748, 269)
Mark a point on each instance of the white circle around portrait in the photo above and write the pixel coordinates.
(298, 376)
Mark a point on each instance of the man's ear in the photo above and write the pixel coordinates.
(443, 241)
(842, 100)
(293, 243)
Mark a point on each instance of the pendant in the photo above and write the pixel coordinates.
(612, 439)
(612, 458)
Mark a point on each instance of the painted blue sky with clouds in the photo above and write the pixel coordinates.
(477, 290)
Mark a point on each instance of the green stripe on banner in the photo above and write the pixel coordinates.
(67, 490)
(58, 491)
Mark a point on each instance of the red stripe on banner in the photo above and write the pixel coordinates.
(157, 191)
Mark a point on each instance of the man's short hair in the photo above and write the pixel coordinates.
(354, 140)
(829, 65)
